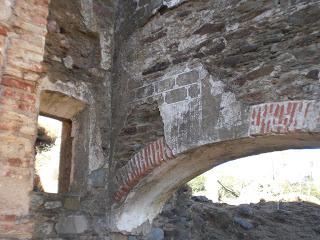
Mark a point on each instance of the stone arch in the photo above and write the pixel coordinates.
(154, 173)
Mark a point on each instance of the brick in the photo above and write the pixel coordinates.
(26, 65)
(10, 93)
(19, 123)
(10, 230)
(18, 84)
(176, 95)
(15, 147)
(12, 172)
(3, 30)
(8, 218)
(21, 106)
(26, 44)
(16, 199)
(33, 7)
(5, 10)
(140, 165)
(13, 71)
(26, 55)
(29, 27)
(284, 117)
(187, 78)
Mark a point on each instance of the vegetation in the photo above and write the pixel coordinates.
(197, 184)
(45, 140)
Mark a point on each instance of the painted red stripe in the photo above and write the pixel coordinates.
(271, 108)
(258, 118)
(281, 114)
(265, 110)
(293, 112)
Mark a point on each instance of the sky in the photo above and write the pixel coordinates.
(291, 165)
(47, 163)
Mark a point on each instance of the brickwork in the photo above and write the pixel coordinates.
(284, 117)
(196, 74)
(141, 164)
(22, 36)
(143, 125)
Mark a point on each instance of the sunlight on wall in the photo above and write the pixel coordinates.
(276, 176)
(47, 162)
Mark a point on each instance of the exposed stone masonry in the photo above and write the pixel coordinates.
(143, 125)
(168, 88)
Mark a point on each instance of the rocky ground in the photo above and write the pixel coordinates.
(187, 217)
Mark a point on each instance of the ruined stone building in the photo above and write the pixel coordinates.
(151, 93)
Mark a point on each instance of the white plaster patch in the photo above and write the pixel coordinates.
(263, 15)
(172, 3)
(172, 116)
(233, 27)
(217, 87)
(230, 111)
(105, 46)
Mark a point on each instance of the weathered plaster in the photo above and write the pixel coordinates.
(81, 92)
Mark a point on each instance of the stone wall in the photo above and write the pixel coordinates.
(77, 55)
(179, 75)
(130, 16)
(209, 65)
(65, 216)
(78, 60)
(203, 57)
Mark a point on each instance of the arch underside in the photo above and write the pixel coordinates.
(154, 173)
(145, 201)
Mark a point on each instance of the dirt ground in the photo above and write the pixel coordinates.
(196, 218)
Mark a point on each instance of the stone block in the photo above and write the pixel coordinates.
(156, 234)
(145, 91)
(176, 95)
(194, 91)
(187, 78)
(45, 229)
(73, 224)
(165, 85)
(118, 236)
(71, 203)
(36, 200)
(52, 205)
(97, 178)
(314, 74)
